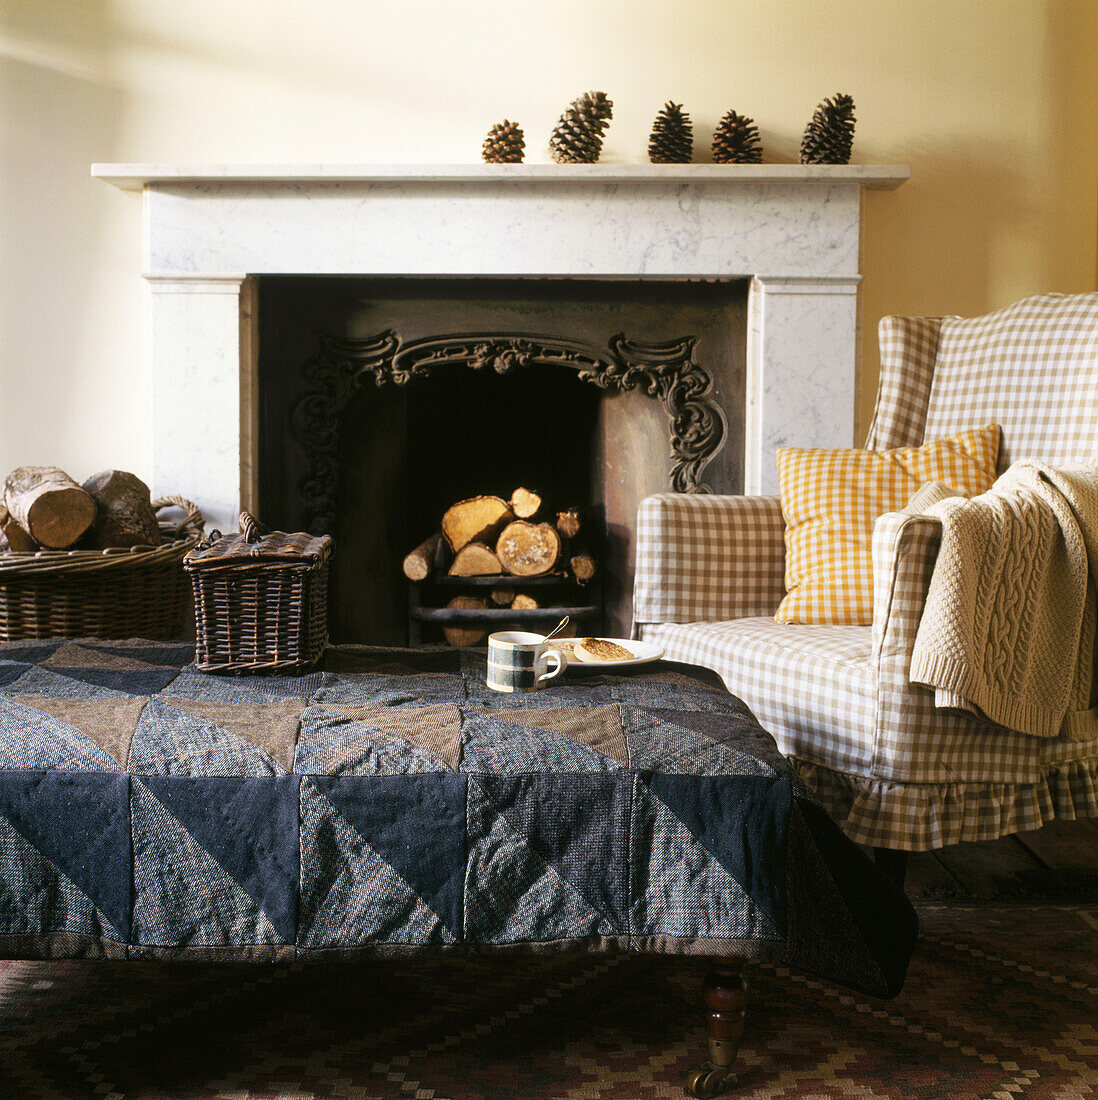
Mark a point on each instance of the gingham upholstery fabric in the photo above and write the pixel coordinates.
(830, 499)
(1033, 368)
(811, 687)
(909, 349)
(895, 770)
(707, 557)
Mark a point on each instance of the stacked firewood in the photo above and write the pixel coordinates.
(489, 536)
(42, 508)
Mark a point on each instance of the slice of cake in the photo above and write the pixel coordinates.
(599, 649)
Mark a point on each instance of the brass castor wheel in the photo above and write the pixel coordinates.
(709, 1081)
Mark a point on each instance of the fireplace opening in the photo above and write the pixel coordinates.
(458, 434)
(384, 401)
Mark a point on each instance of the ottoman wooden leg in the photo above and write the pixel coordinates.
(724, 995)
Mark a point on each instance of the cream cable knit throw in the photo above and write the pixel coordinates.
(1008, 626)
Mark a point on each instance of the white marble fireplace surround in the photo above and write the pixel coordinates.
(794, 230)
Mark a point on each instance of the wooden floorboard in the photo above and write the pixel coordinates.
(1056, 863)
(1065, 844)
(992, 868)
(927, 877)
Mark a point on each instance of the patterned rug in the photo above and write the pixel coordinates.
(999, 1003)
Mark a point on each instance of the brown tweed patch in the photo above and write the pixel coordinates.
(599, 728)
(71, 655)
(58, 945)
(435, 729)
(998, 1003)
(663, 675)
(110, 723)
(271, 726)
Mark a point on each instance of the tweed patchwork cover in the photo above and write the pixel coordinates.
(391, 804)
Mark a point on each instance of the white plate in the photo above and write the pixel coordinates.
(646, 652)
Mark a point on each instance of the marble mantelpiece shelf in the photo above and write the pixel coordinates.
(212, 232)
(135, 177)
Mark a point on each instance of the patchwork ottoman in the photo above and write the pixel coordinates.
(390, 804)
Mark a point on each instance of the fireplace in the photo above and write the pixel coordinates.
(219, 238)
(383, 401)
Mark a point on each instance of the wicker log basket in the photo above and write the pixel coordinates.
(138, 592)
(261, 599)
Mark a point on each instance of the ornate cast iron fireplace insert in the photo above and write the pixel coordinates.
(665, 371)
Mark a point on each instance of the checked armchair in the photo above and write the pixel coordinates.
(895, 771)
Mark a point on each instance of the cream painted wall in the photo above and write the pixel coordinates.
(993, 104)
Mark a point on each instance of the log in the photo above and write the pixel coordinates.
(48, 505)
(584, 567)
(583, 564)
(528, 549)
(525, 503)
(478, 519)
(502, 597)
(124, 514)
(459, 636)
(418, 564)
(568, 523)
(524, 602)
(14, 537)
(475, 559)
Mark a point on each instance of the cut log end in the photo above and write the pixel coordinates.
(583, 567)
(16, 538)
(418, 563)
(568, 523)
(475, 559)
(478, 519)
(48, 505)
(528, 549)
(524, 602)
(58, 517)
(460, 636)
(525, 503)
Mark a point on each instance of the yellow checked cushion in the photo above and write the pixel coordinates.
(830, 501)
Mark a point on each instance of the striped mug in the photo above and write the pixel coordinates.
(519, 661)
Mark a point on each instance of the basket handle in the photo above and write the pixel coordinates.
(250, 527)
(193, 520)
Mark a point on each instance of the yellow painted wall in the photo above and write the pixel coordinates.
(993, 104)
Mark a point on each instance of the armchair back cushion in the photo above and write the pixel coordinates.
(1031, 367)
(830, 501)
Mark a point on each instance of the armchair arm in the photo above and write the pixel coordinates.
(708, 558)
(905, 548)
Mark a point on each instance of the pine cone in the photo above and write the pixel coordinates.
(736, 141)
(672, 140)
(577, 138)
(504, 144)
(829, 137)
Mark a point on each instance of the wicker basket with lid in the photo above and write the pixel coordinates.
(260, 599)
